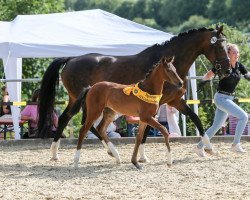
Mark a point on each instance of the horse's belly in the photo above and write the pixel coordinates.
(124, 104)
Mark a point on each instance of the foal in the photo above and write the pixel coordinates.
(117, 97)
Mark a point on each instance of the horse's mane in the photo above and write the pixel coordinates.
(177, 37)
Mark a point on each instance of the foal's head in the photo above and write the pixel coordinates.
(169, 72)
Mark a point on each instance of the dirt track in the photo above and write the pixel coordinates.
(28, 174)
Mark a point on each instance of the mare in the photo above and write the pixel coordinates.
(143, 103)
(79, 72)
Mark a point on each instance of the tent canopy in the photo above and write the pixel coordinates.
(77, 33)
(68, 34)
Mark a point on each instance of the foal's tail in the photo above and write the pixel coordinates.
(47, 95)
(80, 102)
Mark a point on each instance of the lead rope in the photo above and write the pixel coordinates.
(211, 82)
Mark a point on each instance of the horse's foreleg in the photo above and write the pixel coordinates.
(152, 122)
(139, 136)
(186, 110)
(62, 123)
(54, 150)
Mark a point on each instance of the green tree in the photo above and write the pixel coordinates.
(240, 15)
(32, 68)
(107, 5)
(175, 12)
(9, 9)
(218, 10)
(194, 21)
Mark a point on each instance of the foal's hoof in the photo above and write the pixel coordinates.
(143, 160)
(169, 165)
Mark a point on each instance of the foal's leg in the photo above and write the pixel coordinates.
(62, 123)
(82, 134)
(108, 117)
(138, 140)
(152, 122)
(143, 158)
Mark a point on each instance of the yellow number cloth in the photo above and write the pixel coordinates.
(144, 96)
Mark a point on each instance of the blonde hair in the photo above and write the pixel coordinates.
(231, 45)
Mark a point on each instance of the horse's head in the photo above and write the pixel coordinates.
(170, 73)
(216, 51)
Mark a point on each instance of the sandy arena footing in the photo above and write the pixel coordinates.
(27, 173)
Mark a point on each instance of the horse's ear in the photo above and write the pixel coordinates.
(164, 59)
(220, 29)
(169, 59)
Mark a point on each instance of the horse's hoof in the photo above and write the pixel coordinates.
(118, 161)
(54, 159)
(143, 160)
(137, 165)
(110, 153)
(75, 165)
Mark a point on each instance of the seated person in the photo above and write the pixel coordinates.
(4, 108)
(30, 113)
(111, 130)
(131, 125)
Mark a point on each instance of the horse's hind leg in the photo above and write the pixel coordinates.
(92, 115)
(186, 110)
(62, 123)
(108, 117)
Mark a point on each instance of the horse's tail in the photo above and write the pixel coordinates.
(47, 95)
(80, 103)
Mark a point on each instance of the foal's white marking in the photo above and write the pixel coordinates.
(114, 152)
(169, 158)
(54, 150)
(106, 146)
(77, 158)
(143, 157)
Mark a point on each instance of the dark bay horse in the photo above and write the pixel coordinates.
(141, 100)
(79, 72)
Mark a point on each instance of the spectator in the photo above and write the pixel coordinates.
(30, 113)
(111, 130)
(132, 122)
(5, 109)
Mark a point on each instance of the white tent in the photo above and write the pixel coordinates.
(68, 34)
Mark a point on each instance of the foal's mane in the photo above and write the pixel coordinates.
(152, 69)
